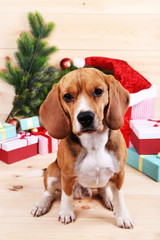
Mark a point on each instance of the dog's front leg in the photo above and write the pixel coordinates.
(123, 218)
(66, 213)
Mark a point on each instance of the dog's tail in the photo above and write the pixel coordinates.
(36, 173)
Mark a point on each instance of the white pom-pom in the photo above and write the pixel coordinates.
(79, 62)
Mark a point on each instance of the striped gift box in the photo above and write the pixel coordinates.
(7, 131)
(147, 164)
(29, 123)
(46, 144)
(143, 103)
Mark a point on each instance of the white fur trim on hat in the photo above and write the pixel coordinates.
(142, 95)
(79, 62)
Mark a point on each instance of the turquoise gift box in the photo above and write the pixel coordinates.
(148, 164)
(7, 131)
(29, 123)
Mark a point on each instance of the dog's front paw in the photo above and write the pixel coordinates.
(40, 208)
(125, 221)
(79, 191)
(107, 197)
(66, 216)
(109, 204)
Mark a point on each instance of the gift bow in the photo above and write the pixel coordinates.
(21, 135)
(42, 132)
(2, 125)
(156, 122)
(24, 135)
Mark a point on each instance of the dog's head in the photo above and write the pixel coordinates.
(85, 100)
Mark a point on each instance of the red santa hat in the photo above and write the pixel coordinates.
(138, 87)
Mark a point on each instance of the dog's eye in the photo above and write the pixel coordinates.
(68, 97)
(97, 92)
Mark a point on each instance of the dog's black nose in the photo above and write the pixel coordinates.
(85, 118)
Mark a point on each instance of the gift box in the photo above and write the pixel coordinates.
(7, 131)
(21, 147)
(145, 136)
(142, 92)
(46, 144)
(29, 123)
(148, 164)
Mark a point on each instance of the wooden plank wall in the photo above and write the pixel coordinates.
(128, 30)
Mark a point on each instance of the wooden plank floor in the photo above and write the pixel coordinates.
(142, 196)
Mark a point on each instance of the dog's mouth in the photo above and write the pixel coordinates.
(86, 131)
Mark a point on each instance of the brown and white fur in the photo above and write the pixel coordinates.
(85, 110)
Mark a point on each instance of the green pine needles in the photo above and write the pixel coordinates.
(32, 78)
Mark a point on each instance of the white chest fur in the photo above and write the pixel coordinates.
(95, 165)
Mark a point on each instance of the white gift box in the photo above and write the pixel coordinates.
(21, 140)
(145, 136)
(146, 129)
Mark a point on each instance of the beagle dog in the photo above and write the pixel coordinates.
(85, 110)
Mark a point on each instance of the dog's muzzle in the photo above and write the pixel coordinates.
(86, 120)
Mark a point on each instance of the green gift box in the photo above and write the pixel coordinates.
(7, 131)
(148, 164)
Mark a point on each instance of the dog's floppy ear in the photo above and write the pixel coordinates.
(118, 103)
(53, 116)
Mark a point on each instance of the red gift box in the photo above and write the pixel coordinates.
(19, 148)
(145, 136)
(18, 154)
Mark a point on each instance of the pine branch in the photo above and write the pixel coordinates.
(40, 23)
(33, 25)
(48, 29)
(4, 77)
(41, 46)
(25, 44)
(46, 52)
(37, 64)
(34, 53)
(33, 78)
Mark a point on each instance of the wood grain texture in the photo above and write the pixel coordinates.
(96, 32)
(82, 6)
(142, 196)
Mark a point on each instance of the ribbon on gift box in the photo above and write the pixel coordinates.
(29, 123)
(42, 132)
(140, 164)
(157, 122)
(23, 135)
(126, 127)
(3, 130)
